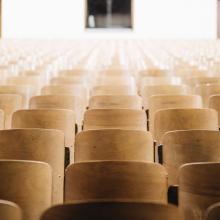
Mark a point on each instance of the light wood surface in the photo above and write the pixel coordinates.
(10, 211)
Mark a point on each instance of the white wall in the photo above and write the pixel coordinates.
(152, 19)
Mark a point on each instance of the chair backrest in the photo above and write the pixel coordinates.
(113, 90)
(189, 146)
(28, 184)
(213, 212)
(9, 103)
(10, 211)
(193, 81)
(199, 187)
(115, 180)
(148, 91)
(112, 210)
(114, 144)
(69, 102)
(115, 102)
(59, 119)
(37, 145)
(67, 80)
(104, 80)
(159, 102)
(115, 118)
(184, 119)
(214, 103)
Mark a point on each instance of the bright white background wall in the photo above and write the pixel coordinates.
(152, 19)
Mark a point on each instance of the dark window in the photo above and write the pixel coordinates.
(109, 14)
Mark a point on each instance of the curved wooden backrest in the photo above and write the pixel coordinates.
(113, 90)
(159, 102)
(58, 119)
(189, 146)
(199, 187)
(115, 180)
(69, 102)
(75, 72)
(205, 91)
(28, 184)
(115, 118)
(193, 81)
(25, 91)
(112, 210)
(115, 102)
(148, 91)
(10, 211)
(10, 103)
(67, 80)
(213, 212)
(114, 144)
(115, 80)
(37, 145)
(214, 103)
(184, 119)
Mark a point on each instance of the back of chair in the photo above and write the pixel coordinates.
(199, 187)
(213, 212)
(112, 210)
(115, 102)
(115, 118)
(28, 184)
(189, 146)
(214, 103)
(58, 119)
(184, 119)
(37, 145)
(10, 211)
(115, 180)
(114, 144)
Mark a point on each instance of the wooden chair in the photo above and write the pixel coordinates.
(68, 80)
(10, 211)
(112, 210)
(199, 187)
(114, 144)
(59, 119)
(69, 102)
(115, 80)
(189, 146)
(193, 81)
(37, 145)
(115, 102)
(149, 91)
(28, 184)
(159, 102)
(214, 103)
(205, 91)
(115, 180)
(9, 103)
(113, 90)
(184, 119)
(115, 118)
(25, 91)
(213, 212)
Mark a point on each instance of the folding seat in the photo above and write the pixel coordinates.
(75, 72)
(115, 180)
(59, 119)
(199, 187)
(214, 103)
(115, 102)
(37, 145)
(114, 144)
(69, 102)
(189, 146)
(25, 91)
(213, 212)
(28, 184)
(75, 90)
(184, 119)
(68, 80)
(112, 210)
(160, 102)
(205, 91)
(202, 80)
(113, 90)
(162, 90)
(115, 118)
(35, 81)
(9, 103)
(10, 211)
